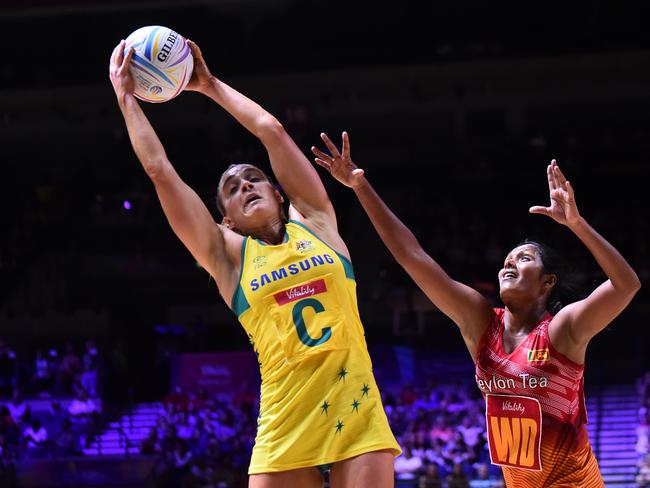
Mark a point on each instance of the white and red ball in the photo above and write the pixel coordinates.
(162, 63)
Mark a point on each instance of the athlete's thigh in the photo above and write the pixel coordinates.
(370, 469)
(295, 478)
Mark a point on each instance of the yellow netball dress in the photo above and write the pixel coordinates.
(319, 401)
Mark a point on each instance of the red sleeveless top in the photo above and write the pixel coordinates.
(535, 410)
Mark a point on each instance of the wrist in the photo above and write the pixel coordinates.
(210, 87)
(361, 185)
(124, 98)
(577, 225)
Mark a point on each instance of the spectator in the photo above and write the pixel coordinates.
(430, 478)
(54, 419)
(643, 473)
(644, 387)
(457, 478)
(65, 444)
(457, 451)
(643, 436)
(149, 444)
(484, 480)
(35, 438)
(407, 465)
(90, 365)
(408, 395)
(178, 399)
(8, 431)
(68, 370)
(84, 415)
(42, 378)
(181, 461)
(7, 369)
(471, 432)
(441, 431)
(82, 408)
(18, 409)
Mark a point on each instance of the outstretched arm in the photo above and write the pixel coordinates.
(462, 304)
(292, 169)
(582, 320)
(185, 211)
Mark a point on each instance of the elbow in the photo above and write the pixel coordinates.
(268, 129)
(408, 256)
(631, 286)
(636, 285)
(155, 168)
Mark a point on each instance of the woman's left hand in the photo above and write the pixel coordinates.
(339, 164)
(119, 73)
(563, 207)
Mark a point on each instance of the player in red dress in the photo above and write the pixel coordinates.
(530, 354)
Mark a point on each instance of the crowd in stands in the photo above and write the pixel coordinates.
(205, 442)
(59, 431)
(202, 441)
(441, 428)
(643, 433)
(49, 373)
(68, 382)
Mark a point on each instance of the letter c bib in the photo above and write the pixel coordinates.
(308, 318)
(514, 425)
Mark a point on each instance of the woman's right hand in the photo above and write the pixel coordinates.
(201, 77)
(339, 164)
(119, 72)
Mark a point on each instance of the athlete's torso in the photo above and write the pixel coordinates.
(297, 303)
(536, 412)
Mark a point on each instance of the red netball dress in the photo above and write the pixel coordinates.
(535, 411)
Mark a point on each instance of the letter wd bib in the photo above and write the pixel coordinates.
(514, 425)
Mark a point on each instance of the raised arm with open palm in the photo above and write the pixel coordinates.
(464, 305)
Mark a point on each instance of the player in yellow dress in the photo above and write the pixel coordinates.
(291, 284)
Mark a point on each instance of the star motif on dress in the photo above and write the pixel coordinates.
(342, 374)
(339, 426)
(365, 389)
(324, 407)
(355, 405)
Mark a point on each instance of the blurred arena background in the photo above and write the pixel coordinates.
(117, 344)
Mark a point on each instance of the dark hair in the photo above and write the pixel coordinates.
(220, 206)
(567, 289)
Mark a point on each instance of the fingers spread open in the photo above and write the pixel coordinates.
(320, 154)
(323, 163)
(330, 145)
(569, 189)
(551, 178)
(346, 145)
(560, 176)
(538, 209)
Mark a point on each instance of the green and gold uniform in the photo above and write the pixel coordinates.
(319, 401)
